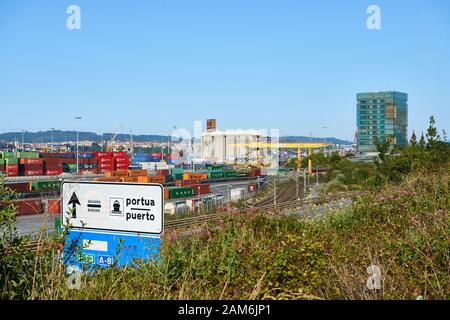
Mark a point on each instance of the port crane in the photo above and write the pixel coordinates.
(309, 146)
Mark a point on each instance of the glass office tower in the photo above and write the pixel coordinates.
(380, 115)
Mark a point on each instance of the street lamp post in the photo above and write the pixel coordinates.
(52, 138)
(78, 170)
(23, 131)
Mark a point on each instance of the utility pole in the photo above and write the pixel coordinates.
(297, 186)
(274, 192)
(52, 138)
(317, 175)
(304, 182)
(78, 170)
(23, 131)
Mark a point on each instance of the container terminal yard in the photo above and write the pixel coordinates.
(36, 178)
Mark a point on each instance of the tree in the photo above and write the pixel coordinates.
(413, 140)
(432, 133)
(382, 147)
(422, 141)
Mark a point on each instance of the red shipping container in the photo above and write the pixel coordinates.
(31, 161)
(49, 155)
(54, 206)
(69, 161)
(12, 170)
(190, 182)
(33, 172)
(31, 166)
(201, 189)
(120, 167)
(121, 159)
(52, 172)
(162, 172)
(105, 160)
(52, 161)
(102, 154)
(19, 187)
(156, 155)
(53, 167)
(29, 207)
(119, 154)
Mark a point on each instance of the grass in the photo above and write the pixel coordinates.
(403, 229)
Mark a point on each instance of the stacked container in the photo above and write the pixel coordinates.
(121, 161)
(31, 166)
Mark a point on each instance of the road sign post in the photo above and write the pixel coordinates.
(111, 223)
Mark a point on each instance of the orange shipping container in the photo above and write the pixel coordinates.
(54, 206)
(123, 173)
(129, 179)
(137, 172)
(108, 179)
(197, 176)
(166, 194)
(31, 161)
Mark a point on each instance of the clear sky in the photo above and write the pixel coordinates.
(149, 65)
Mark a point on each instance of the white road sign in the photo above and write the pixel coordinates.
(110, 206)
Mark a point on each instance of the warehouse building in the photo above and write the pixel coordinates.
(221, 146)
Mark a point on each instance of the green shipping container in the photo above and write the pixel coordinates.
(6, 154)
(45, 185)
(2, 161)
(27, 155)
(11, 161)
(177, 171)
(215, 174)
(215, 168)
(180, 192)
(177, 176)
(229, 174)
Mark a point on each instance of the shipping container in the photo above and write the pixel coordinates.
(215, 174)
(229, 174)
(181, 183)
(52, 185)
(37, 161)
(129, 179)
(102, 154)
(109, 179)
(166, 194)
(193, 175)
(201, 189)
(181, 192)
(12, 170)
(151, 179)
(29, 207)
(53, 172)
(53, 206)
(11, 161)
(19, 186)
(135, 173)
(27, 154)
(215, 168)
(162, 172)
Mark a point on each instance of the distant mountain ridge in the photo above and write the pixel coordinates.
(331, 140)
(62, 136)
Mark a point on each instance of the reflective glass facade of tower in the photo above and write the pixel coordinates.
(380, 115)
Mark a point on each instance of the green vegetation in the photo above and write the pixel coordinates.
(401, 226)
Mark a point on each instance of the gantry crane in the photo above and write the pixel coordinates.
(287, 145)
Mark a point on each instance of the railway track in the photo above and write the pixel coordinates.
(215, 217)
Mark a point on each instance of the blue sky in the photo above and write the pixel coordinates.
(149, 65)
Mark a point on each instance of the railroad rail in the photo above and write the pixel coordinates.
(215, 217)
